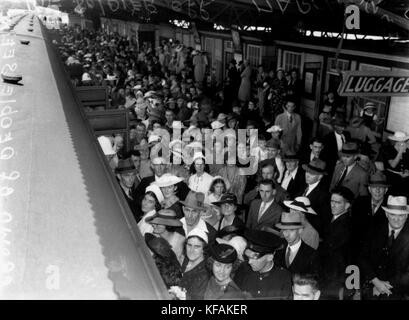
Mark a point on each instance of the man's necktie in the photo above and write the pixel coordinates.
(341, 179)
(262, 207)
(290, 119)
(373, 208)
(287, 257)
(305, 192)
(391, 239)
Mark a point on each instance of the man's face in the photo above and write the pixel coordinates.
(194, 249)
(339, 129)
(159, 169)
(136, 161)
(256, 261)
(267, 172)
(338, 204)
(305, 292)
(311, 178)
(228, 209)
(192, 216)
(348, 159)
(222, 271)
(316, 148)
(169, 116)
(377, 193)
(128, 179)
(292, 236)
(396, 221)
(158, 229)
(140, 131)
(272, 152)
(290, 106)
(266, 192)
(291, 165)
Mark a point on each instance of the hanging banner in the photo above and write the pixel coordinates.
(377, 83)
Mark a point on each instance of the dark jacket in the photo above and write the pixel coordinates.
(305, 261)
(275, 284)
(296, 185)
(387, 264)
(195, 280)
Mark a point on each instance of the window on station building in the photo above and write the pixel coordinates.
(341, 65)
(292, 60)
(254, 55)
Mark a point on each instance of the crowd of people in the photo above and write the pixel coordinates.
(285, 225)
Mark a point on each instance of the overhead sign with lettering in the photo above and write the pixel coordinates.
(378, 83)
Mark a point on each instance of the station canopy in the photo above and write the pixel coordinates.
(388, 18)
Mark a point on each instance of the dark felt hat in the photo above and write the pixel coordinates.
(316, 166)
(226, 198)
(378, 179)
(231, 230)
(223, 253)
(291, 157)
(263, 241)
(350, 148)
(125, 165)
(159, 246)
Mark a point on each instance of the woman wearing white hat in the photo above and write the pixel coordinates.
(200, 180)
(167, 184)
(150, 205)
(397, 163)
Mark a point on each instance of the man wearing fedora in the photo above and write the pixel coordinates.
(335, 249)
(302, 207)
(348, 173)
(259, 276)
(264, 212)
(384, 261)
(333, 143)
(126, 175)
(193, 206)
(367, 210)
(294, 176)
(317, 192)
(297, 256)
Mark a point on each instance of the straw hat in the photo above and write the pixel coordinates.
(290, 221)
(399, 136)
(397, 205)
(217, 125)
(275, 128)
(167, 180)
(302, 204)
(194, 200)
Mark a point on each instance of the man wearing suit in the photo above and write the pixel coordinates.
(367, 210)
(349, 173)
(384, 262)
(335, 248)
(297, 256)
(294, 176)
(314, 151)
(126, 174)
(264, 212)
(290, 122)
(259, 275)
(333, 143)
(318, 194)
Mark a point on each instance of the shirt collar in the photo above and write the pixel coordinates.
(397, 231)
(312, 186)
(294, 173)
(296, 246)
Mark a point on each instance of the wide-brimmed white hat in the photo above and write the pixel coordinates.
(399, 136)
(397, 205)
(237, 242)
(167, 180)
(275, 128)
(302, 204)
(154, 138)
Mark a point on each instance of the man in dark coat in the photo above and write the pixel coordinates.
(335, 248)
(259, 276)
(367, 210)
(318, 194)
(384, 261)
(297, 256)
(333, 143)
(294, 176)
(126, 175)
